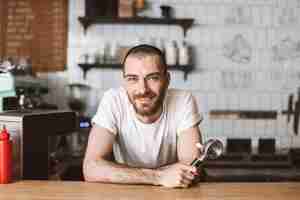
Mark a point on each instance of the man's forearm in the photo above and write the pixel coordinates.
(106, 171)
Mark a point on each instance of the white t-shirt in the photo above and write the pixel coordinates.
(146, 145)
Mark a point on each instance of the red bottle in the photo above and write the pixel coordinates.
(5, 157)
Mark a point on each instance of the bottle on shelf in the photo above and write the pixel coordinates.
(113, 52)
(184, 53)
(171, 53)
(91, 58)
(107, 53)
(139, 4)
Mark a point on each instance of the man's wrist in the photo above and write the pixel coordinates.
(153, 176)
(156, 176)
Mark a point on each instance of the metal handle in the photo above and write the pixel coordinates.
(196, 163)
(296, 117)
(290, 108)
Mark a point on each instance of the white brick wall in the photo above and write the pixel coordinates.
(222, 83)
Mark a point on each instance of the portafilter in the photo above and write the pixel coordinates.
(211, 150)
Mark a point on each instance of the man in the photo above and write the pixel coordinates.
(150, 130)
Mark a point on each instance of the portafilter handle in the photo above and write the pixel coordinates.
(212, 149)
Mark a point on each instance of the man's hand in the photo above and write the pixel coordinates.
(176, 175)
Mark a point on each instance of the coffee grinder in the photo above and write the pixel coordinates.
(78, 97)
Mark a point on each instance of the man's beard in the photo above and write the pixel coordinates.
(148, 109)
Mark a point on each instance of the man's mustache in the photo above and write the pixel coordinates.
(144, 95)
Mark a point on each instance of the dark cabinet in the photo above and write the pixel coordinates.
(96, 8)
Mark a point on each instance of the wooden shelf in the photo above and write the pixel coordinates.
(185, 23)
(86, 67)
(244, 114)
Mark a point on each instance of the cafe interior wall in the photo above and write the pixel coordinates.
(246, 56)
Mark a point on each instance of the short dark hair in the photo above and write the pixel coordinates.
(146, 50)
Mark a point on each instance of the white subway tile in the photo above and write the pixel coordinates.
(194, 81)
(200, 14)
(276, 16)
(181, 11)
(256, 16)
(212, 129)
(212, 15)
(260, 126)
(202, 101)
(239, 129)
(219, 127)
(204, 83)
(266, 16)
(212, 100)
(217, 37)
(251, 127)
(275, 101)
(295, 142)
(260, 38)
(227, 127)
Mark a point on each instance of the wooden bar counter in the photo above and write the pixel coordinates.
(68, 190)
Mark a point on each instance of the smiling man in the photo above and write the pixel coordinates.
(143, 132)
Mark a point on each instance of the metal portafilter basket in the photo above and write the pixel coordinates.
(212, 149)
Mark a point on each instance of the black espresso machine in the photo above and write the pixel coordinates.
(31, 132)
